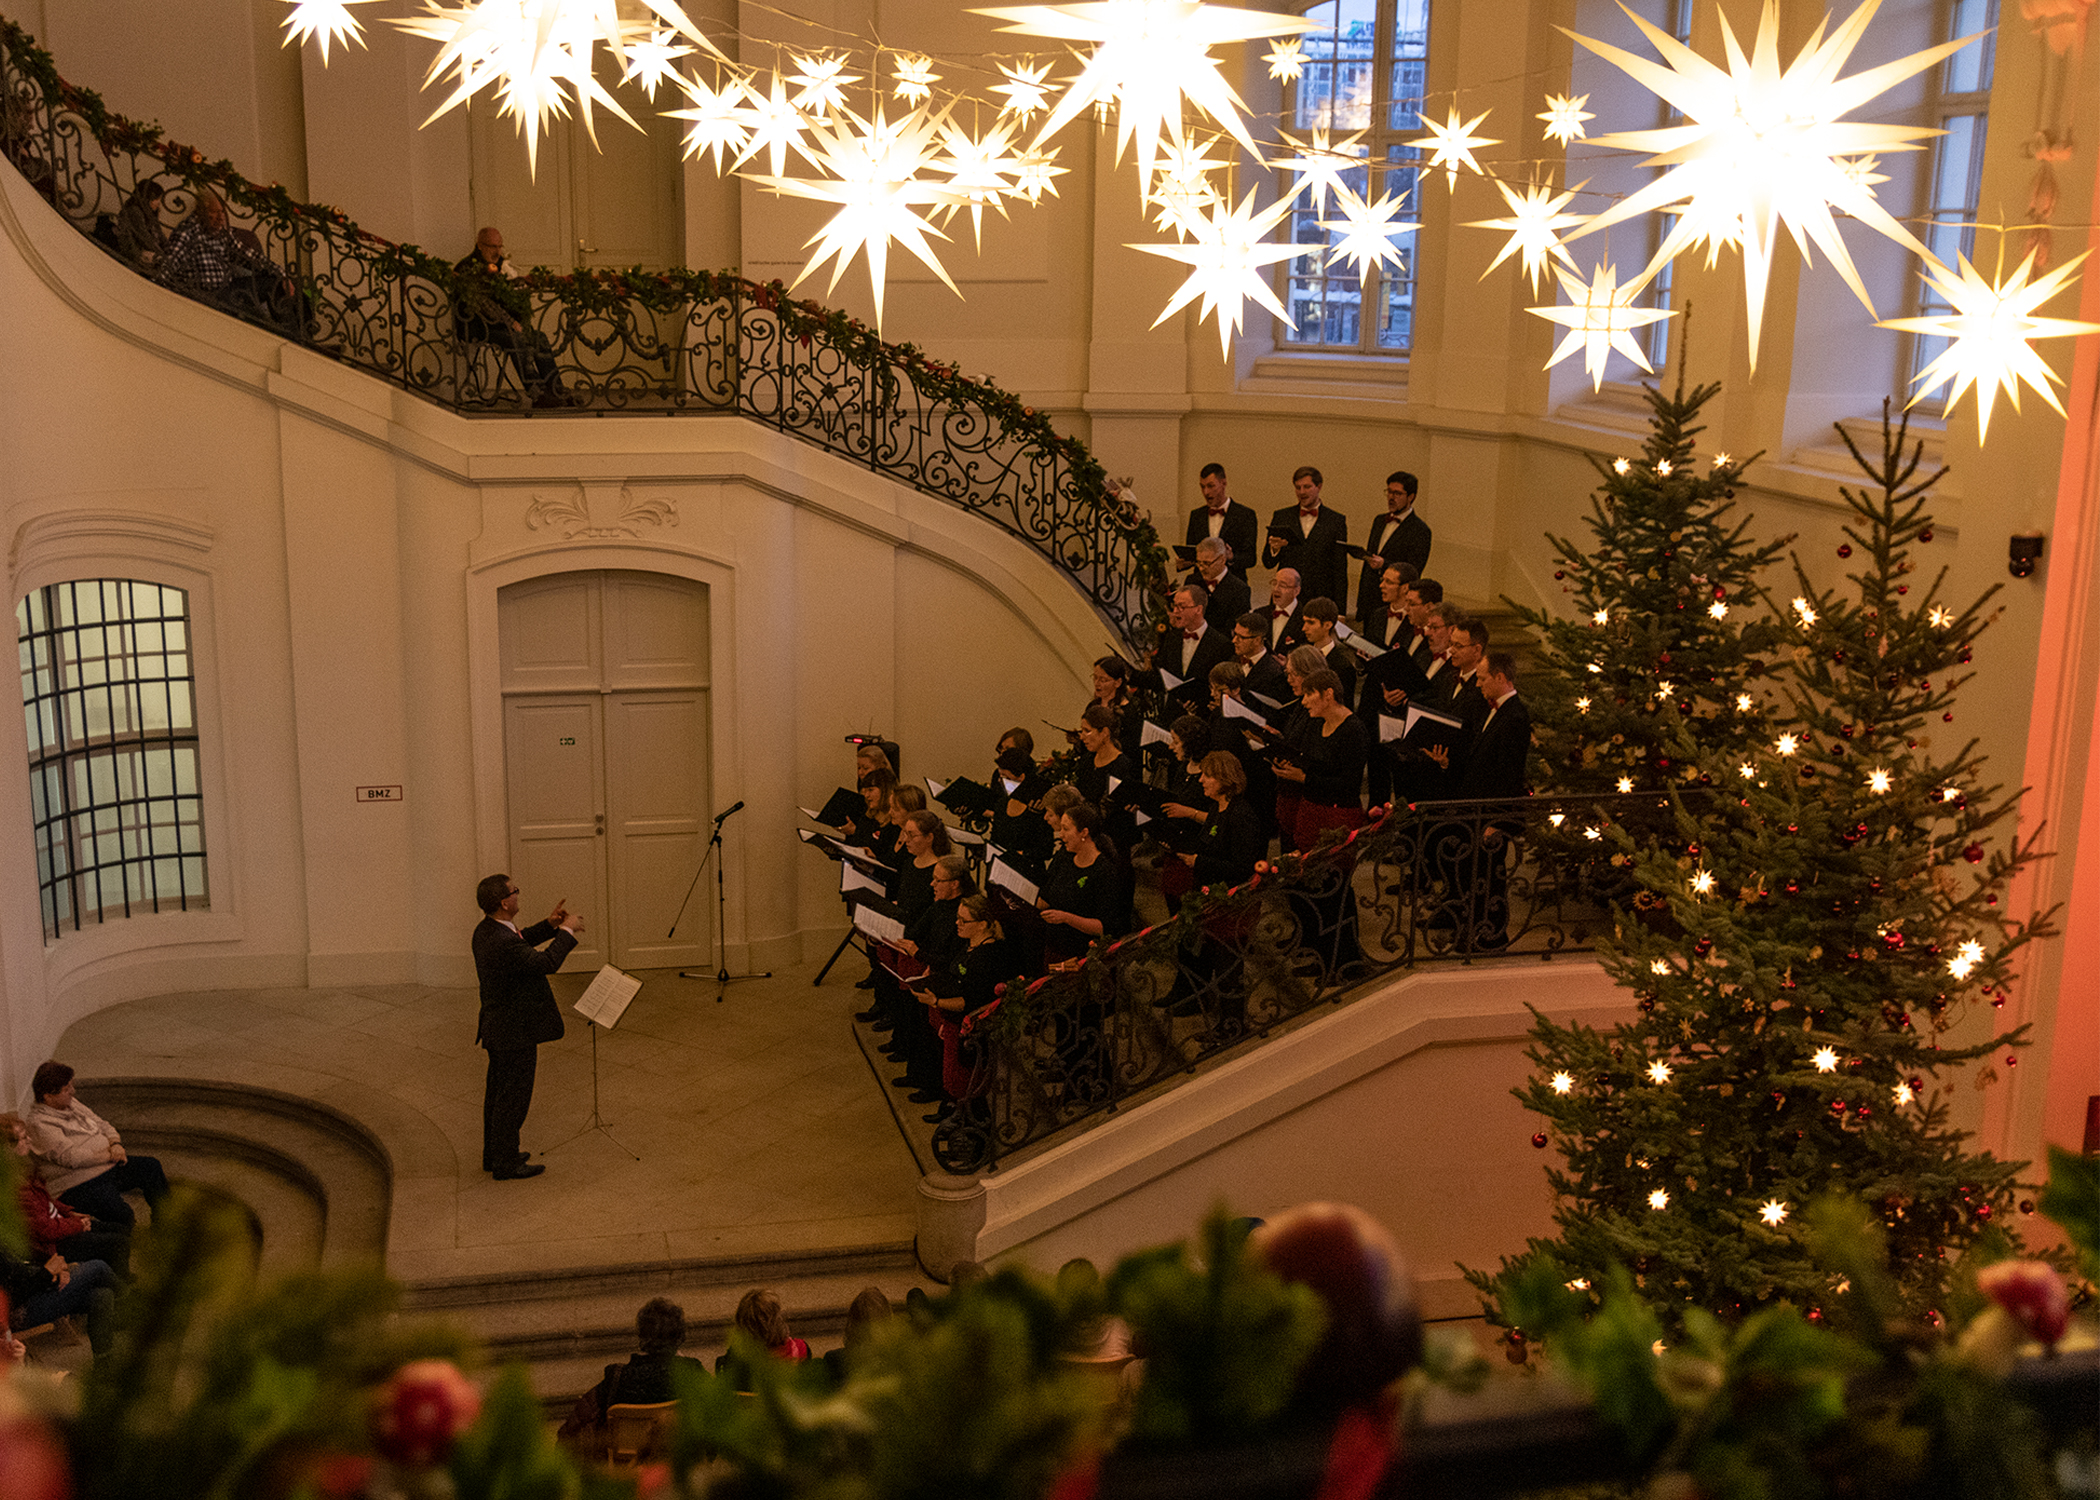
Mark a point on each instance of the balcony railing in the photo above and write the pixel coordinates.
(629, 342)
(1441, 882)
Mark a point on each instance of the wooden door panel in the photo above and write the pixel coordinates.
(656, 774)
(554, 770)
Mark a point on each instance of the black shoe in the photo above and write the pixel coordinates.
(940, 1116)
(517, 1161)
(521, 1171)
(867, 1017)
(887, 1023)
(926, 1096)
(866, 984)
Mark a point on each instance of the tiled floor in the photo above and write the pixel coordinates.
(759, 1127)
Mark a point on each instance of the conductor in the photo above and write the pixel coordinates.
(517, 1014)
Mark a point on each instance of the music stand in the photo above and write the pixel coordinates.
(722, 977)
(601, 1005)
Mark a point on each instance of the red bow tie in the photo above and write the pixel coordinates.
(1216, 510)
(1192, 635)
(1308, 511)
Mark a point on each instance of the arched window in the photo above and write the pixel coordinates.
(1364, 70)
(1960, 107)
(108, 697)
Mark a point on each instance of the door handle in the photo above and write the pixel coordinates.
(600, 829)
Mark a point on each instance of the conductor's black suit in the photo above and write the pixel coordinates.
(518, 1012)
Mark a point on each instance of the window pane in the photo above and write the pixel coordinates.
(1334, 90)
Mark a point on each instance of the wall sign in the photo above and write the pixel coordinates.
(380, 794)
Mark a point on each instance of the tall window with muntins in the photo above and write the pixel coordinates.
(1961, 108)
(108, 698)
(1677, 14)
(1364, 70)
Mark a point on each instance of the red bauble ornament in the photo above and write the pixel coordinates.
(1973, 854)
(1925, 535)
(1983, 1211)
(1844, 549)
(1539, 1140)
(422, 1411)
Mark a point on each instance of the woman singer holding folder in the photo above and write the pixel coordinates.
(1331, 755)
(1086, 896)
(1105, 762)
(988, 959)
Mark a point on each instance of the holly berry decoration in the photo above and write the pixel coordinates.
(422, 1411)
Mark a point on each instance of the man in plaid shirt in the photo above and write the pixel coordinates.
(206, 261)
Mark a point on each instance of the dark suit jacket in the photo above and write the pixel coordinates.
(1342, 662)
(1228, 601)
(1395, 669)
(1239, 532)
(1267, 679)
(1388, 628)
(1293, 633)
(517, 1003)
(1323, 568)
(1215, 647)
(1495, 764)
(1396, 541)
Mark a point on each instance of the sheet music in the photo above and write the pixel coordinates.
(935, 788)
(1262, 698)
(1152, 734)
(1010, 784)
(852, 878)
(606, 998)
(1007, 877)
(1234, 709)
(1417, 715)
(811, 814)
(1173, 683)
(962, 835)
(883, 929)
(1113, 783)
(1390, 729)
(1363, 646)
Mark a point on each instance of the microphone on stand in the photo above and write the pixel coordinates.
(721, 818)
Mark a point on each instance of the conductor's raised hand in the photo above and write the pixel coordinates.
(572, 924)
(560, 914)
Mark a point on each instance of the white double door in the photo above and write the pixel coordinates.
(605, 736)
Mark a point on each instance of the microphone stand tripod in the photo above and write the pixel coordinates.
(722, 977)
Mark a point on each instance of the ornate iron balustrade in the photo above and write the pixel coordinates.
(627, 342)
(1438, 882)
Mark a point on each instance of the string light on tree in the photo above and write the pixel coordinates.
(1658, 1072)
(1773, 1212)
(1825, 1060)
(1703, 883)
(1965, 959)
(1625, 785)
(1879, 781)
(1991, 327)
(1564, 117)
(1228, 260)
(1600, 318)
(1451, 144)
(1787, 744)
(1658, 1199)
(1286, 60)
(1805, 610)
(1761, 146)
(324, 21)
(1663, 467)
(1904, 1093)
(1620, 466)
(1939, 617)
(1582, 705)
(1534, 217)
(1603, 616)
(1742, 703)
(1659, 967)
(1563, 1083)
(1718, 609)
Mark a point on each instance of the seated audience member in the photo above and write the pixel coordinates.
(866, 1315)
(489, 310)
(644, 1380)
(1229, 598)
(44, 1291)
(205, 259)
(53, 1228)
(1087, 896)
(140, 235)
(760, 1317)
(84, 1159)
(1320, 618)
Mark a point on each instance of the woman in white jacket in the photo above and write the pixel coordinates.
(85, 1164)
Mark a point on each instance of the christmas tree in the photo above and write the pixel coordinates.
(1663, 640)
(1833, 907)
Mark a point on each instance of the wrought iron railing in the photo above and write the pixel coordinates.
(634, 341)
(1441, 882)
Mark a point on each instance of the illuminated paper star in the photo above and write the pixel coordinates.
(915, 79)
(1451, 144)
(1564, 117)
(980, 171)
(874, 168)
(776, 126)
(1534, 216)
(1228, 263)
(1563, 1082)
(1658, 1199)
(821, 85)
(1286, 60)
(1151, 59)
(1027, 90)
(1658, 1072)
(325, 21)
(1368, 230)
(1826, 1060)
(1703, 883)
(1320, 166)
(1036, 173)
(1966, 958)
(1600, 317)
(1990, 327)
(1773, 1212)
(1760, 146)
(1183, 193)
(717, 118)
(1864, 170)
(651, 60)
(1879, 781)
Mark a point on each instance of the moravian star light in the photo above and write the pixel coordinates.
(1286, 60)
(325, 21)
(820, 88)
(716, 116)
(653, 59)
(914, 79)
(874, 180)
(776, 126)
(1368, 231)
(1150, 59)
(1564, 116)
(1450, 145)
(1599, 318)
(1763, 147)
(1228, 263)
(980, 171)
(1027, 89)
(1989, 329)
(1320, 165)
(1534, 216)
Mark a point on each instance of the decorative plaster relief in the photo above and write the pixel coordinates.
(599, 512)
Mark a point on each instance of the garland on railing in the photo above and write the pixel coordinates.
(608, 292)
